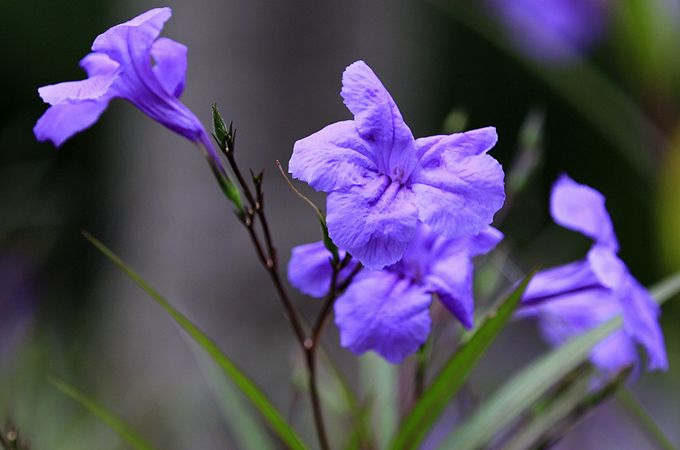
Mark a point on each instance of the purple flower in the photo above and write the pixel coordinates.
(388, 310)
(571, 299)
(381, 181)
(121, 66)
(553, 31)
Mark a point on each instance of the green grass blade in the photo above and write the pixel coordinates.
(129, 435)
(250, 432)
(645, 419)
(415, 426)
(530, 384)
(256, 396)
(379, 379)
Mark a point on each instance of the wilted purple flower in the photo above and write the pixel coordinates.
(571, 299)
(388, 310)
(121, 66)
(553, 31)
(381, 181)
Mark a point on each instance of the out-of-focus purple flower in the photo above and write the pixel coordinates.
(553, 31)
(381, 181)
(571, 299)
(121, 66)
(388, 310)
(17, 301)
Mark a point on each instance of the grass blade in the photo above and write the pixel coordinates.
(256, 396)
(645, 419)
(530, 384)
(129, 435)
(418, 422)
(250, 432)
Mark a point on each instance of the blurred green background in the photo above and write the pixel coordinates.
(610, 120)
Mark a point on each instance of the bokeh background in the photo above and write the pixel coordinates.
(600, 81)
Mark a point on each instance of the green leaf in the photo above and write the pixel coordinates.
(257, 397)
(645, 419)
(418, 422)
(379, 379)
(518, 394)
(129, 435)
(248, 430)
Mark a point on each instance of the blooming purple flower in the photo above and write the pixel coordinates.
(121, 66)
(571, 299)
(381, 181)
(553, 31)
(388, 310)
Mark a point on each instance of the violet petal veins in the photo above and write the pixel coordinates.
(571, 299)
(381, 181)
(130, 62)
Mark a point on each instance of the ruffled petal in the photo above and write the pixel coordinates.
(469, 143)
(640, 320)
(581, 208)
(378, 119)
(170, 68)
(310, 269)
(333, 158)
(374, 222)
(63, 120)
(89, 89)
(382, 312)
(458, 186)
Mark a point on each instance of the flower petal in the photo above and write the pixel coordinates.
(607, 267)
(333, 158)
(374, 222)
(559, 281)
(89, 89)
(640, 312)
(458, 186)
(581, 208)
(451, 271)
(382, 312)
(452, 283)
(310, 269)
(98, 64)
(377, 119)
(67, 118)
(171, 65)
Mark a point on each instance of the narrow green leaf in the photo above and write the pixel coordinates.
(360, 415)
(257, 397)
(418, 422)
(248, 429)
(645, 419)
(519, 393)
(550, 416)
(129, 435)
(379, 379)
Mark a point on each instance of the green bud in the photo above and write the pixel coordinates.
(220, 128)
